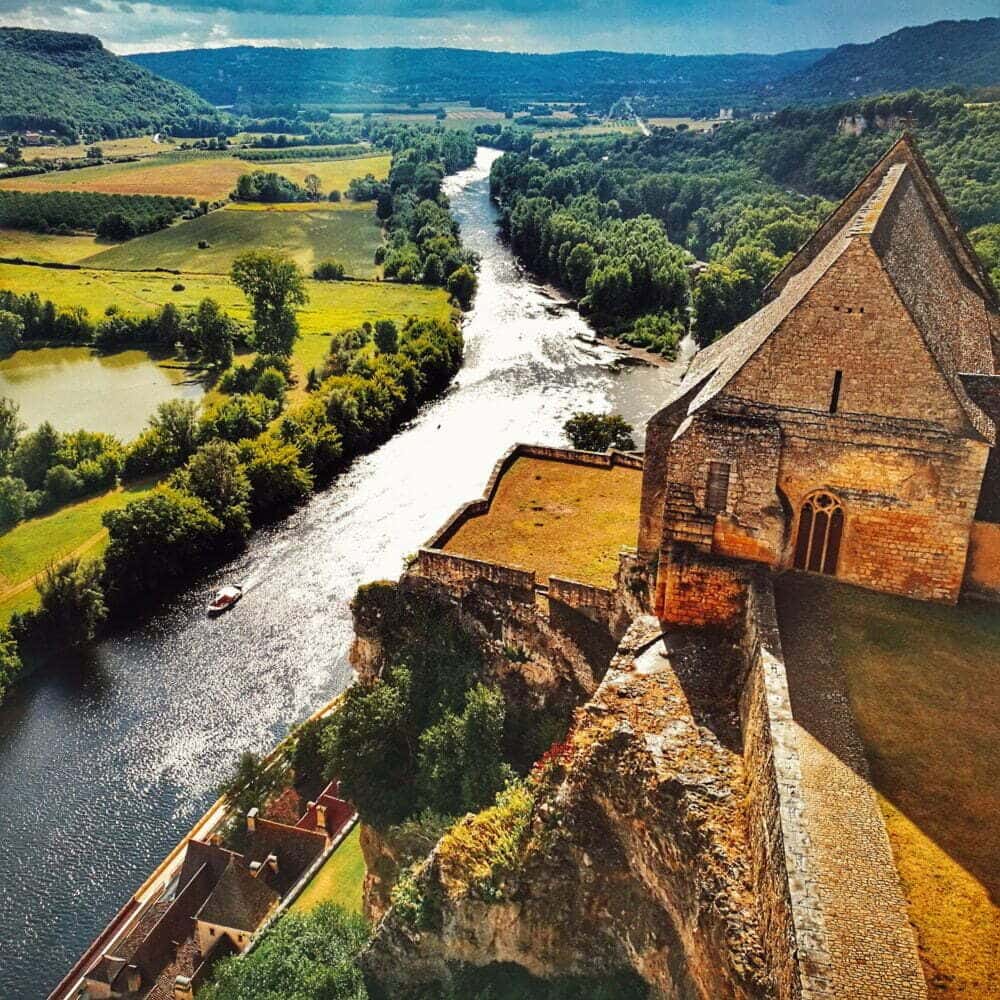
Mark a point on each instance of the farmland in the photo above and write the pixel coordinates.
(141, 145)
(349, 235)
(205, 176)
(48, 248)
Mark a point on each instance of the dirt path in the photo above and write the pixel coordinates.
(81, 550)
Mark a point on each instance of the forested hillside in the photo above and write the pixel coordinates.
(252, 78)
(932, 55)
(606, 217)
(68, 83)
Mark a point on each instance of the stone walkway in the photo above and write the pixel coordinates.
(872, 947)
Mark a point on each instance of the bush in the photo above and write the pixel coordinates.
(271, 383)
(72, 601)
(329, 270)
(13, 501)
(599, 432)
(62, 484)
(10, 661)
(11, 332)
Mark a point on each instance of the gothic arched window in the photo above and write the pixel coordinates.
(821, 527)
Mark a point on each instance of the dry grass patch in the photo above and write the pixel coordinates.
(557, 519)
(924, 682)
(46, 248)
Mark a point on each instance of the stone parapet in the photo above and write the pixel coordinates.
(458, 573)
(788, 906)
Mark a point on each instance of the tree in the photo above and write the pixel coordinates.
(11, 332)
(12, 151)
(36, 454)
(462, 284)
(11, 429)
(386, 336)
(461, 764)
(313, 185)
(274, 285)
(251, 783)
(116, 226)
(72, 601)
(13, 501)
(157, 542)
(579, 266)
(10, 661)
(175, 422)
(304, 955)
(723, 297)
(368, 748)
(271, 383)
(215, 475)
(278, 482)
(599, 432)
(214, 334)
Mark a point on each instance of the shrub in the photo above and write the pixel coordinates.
(13, 501)
(62, 484)
(72, 601)
(271, 383)
(386, 336)
(10, 661)
(329, 270)
(177, 287)
(11, 332)
(599, 432)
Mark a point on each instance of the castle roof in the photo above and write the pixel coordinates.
(239, 900)
(870, 212)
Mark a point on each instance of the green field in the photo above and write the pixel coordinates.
(350, 235)
(340, 879)
(208, 176)
(46, 248)
(333, 305)
(28, 548)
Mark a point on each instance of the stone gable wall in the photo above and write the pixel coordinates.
(888, 369)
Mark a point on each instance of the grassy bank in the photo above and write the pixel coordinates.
(28, 548)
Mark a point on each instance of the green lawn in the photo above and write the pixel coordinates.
(923, 682)
(28, 548)
(340, 880)
(350, 235)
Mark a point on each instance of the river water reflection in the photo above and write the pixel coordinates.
(106, 764)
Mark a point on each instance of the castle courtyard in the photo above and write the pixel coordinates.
(556, 518)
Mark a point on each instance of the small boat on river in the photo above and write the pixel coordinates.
(224, 599)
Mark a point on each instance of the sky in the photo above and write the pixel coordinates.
(672, 26)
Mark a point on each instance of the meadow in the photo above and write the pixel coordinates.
(349, 235)
(140, 145)
(48, 248)
(76, 529)
(340, 880)
(204, 176)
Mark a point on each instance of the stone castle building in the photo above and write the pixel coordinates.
(849, 426)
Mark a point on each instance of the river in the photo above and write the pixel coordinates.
(104, 765)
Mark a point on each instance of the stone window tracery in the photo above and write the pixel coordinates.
(821, 528)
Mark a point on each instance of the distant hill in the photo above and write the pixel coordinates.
(52, 80)
(931, 56)
(253, 78)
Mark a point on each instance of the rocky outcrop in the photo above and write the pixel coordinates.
(624, 849)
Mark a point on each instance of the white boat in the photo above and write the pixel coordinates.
(224, 599)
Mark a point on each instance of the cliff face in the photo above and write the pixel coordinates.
(624, 849)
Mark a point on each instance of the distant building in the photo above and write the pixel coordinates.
(852, 125)
(725, 114)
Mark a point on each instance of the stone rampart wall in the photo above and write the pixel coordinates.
(460, 572)
(581, 595)
(982, 572)
(788, 906)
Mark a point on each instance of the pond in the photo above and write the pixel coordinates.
(75, 387)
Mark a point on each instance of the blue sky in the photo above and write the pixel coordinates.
(674, 26)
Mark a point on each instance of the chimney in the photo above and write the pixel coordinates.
(133, 979)
(183, 990)
(321, 818)
(255, 867)
(272, 861)
(252, 820)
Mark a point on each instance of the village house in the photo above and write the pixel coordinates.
(216, 903)
(849, 427)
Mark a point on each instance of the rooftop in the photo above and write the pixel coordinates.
(556, 518)
(239, 900)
